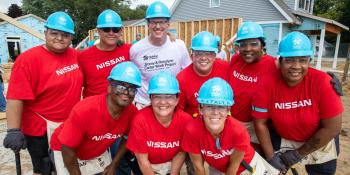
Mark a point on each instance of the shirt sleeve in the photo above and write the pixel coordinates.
(72, 133)
(330, 104)
(190, 142)
(186, 60)
(137, 137)
(260, 101)
(22, 81)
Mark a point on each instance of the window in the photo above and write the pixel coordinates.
(214, 3)
(304, 5)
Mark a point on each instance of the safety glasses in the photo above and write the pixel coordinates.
(109, 29)
(121, 89)
(251, 44)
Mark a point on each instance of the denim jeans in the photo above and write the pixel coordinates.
(2, 98)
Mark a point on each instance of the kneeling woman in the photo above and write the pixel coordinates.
(157, 130)
(219, 139)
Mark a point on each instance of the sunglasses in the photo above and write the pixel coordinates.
(121, 89)
(114, 29)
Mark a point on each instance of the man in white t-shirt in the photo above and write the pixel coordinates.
(156, 52)
(221, 53)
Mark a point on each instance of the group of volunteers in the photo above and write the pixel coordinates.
(151, 107)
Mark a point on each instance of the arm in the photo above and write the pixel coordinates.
(144, 163)
(235, 159)
(329, 129)
(263, 134)
(198, 163)
(111, 168)
(14, 113)
(177, 163)
(70, 160)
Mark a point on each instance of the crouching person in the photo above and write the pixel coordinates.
(80, 144)
(156, 131)
(219, 139)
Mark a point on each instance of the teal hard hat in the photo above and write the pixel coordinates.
(250, 30)
(217, 38)
(163, 83)
(157, 10)
(109, 18)
(60, 21)
(204, 41)
(216, 91)
(295, 44)
(126, 72)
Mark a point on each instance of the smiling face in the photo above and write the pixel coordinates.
(164, 105)
(294, 69)
(57, 41)
(158, 27)
(203, 62)
(214, 117)
(109, 36)
(122, 94)
(250, 50)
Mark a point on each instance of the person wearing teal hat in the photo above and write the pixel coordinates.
(305, 111)
(44, 86)
(138, 38)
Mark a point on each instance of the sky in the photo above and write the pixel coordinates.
(4, 4)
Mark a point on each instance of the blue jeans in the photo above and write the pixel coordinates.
(2, 98)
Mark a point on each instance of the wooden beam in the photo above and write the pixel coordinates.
(333, 29)
(22, 26)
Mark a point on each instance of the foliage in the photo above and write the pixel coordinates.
(14, 11)
(83, 12)
(337, 10)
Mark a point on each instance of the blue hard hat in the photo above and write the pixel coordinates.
(204, 41)
(217, 38)
(109, 18)
(295, 44)
(163, 83)
(126, 72)
(60, 21)
(157, 10)
(216, 91)
(249, 30)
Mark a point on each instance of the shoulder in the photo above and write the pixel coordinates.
(142, 115)
(184, 73)
(234, 125)
(194, 125)
(139, 45)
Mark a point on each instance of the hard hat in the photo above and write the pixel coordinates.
(217, 38)
(60, 21)
(163, 83)
(216, 91)
(249, 30)
(126, 72)
(295, 44)
(204, 41)
(109, 18)
(157, 10)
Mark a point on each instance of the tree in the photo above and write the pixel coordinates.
(14, 11)
(83, 12)
(337, 10)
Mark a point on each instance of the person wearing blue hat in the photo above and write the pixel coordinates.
(44, 86)
(157, 130)
(157, 52)
(81, 143)
(305, 110)
(218, 139)
(138, 38)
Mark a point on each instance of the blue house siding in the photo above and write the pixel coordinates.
(290, 3)
(26, 40)
(249, 10)
(271, 32)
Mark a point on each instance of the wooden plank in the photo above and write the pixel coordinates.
(211, 26)
(188, 35)
(333, 29)
(196, 27)
(346, 67)
(215, 30)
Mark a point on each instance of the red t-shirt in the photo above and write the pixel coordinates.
(90, 129)
(148, 136)
(49, 84)
(296, 111)
(190, 83)
(198, 140)
(243, 80)
(96, 66)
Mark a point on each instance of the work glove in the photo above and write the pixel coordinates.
(15, 140)
(277, 162)
(336, 84)
(291, 157)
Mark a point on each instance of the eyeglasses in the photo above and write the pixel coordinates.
(211, 108)
(161, 23)
(114, 29)
(120, 89)
(58, 34)
(167, 97)
(204, 54)
(300, 60)
(251, 44)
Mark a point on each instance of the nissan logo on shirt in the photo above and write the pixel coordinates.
(223, 153)
(106, 136)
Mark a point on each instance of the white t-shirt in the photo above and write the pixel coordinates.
(150, 59)
(221, 55)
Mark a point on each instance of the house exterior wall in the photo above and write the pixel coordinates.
(258, 10)
(290, 3)
(27, 40)
(272, 38)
